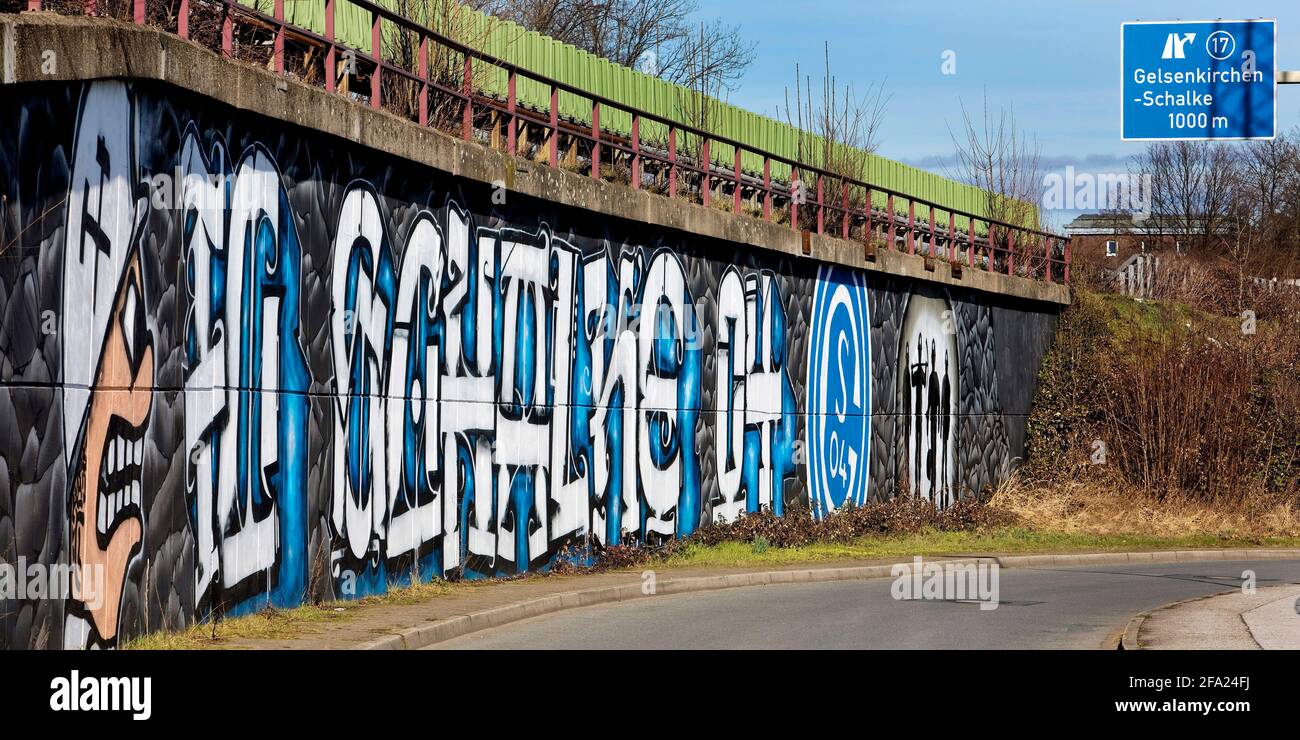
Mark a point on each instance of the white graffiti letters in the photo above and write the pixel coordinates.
(510, 394)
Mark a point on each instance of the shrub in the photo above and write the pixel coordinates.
(764, 530)
(900, 515)
(1186, 403)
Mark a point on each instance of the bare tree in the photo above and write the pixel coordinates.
(1192, 191)
(721, 56)
(449, 18)
(996, 156)
(698, 99)
(837, 129)
(1241, 239)
(656, 36)
(1269, 178)
(839, 119)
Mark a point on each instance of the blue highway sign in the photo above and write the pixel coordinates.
(1198, 80)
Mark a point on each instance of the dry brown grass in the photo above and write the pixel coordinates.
(1112, 507)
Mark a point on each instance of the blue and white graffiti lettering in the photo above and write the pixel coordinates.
(246, 381)
(755, 405)
(558, 413)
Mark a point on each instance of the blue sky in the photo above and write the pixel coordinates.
(1055, 61)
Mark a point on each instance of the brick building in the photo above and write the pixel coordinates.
(1108, 240)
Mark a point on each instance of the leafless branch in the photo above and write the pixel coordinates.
(838, 128)
(995, 155)
(658, 36)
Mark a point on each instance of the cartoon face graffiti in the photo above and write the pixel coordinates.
(104, 513)
(108, 366)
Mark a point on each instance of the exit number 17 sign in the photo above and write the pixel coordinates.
(1198, 80)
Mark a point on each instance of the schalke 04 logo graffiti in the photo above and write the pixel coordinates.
(839, 391)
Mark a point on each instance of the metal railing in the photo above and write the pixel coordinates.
(880, 218)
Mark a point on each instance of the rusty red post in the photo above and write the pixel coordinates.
(952, 236)
(376, 52)
(512, 135)
(1047, 266)
(138, 12)
(844, 206)
(467, 90)
(970, 240)
(1068, 256)
(794, 198)
(277, 50)
(672, 161)
(33, 6)
(889, 221)
(705, 180)
(423, 74)
(555, 126)
(636, 151)
(182, 17)
(866, 229)
(1011, 252)
(934, 232)
(331, 65)
(595, 143)
(735, 194)
(911, 226)
(767, 188)
(821, 207)
(227, 31)
(989, 253)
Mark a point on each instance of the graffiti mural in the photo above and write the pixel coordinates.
(512, 419)
(839, 391)
(928, 398)
(755, 401)
(108, 375)
(284, 368)
(246, 376)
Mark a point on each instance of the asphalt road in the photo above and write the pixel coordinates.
(1074, 607)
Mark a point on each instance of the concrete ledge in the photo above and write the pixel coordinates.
(429, 634)
(98, 48)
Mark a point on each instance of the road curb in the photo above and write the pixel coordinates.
(421, 636)
(1129, 641)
